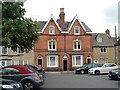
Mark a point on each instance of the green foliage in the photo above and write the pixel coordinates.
(17, 31)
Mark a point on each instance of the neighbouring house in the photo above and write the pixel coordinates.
(117, 49)
(8, 57)
(103, 48)
(63, 45)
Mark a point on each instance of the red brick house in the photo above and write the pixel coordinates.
(63, 45)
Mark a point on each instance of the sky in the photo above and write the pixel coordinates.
(99, 15)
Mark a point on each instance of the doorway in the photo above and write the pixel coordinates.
(89, 59)
(40, 61)
(65, 63)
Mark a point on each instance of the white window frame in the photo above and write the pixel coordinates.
(77, 43)
(52, 43)
(2, 50)
(74, 61)
(16, 62)
(75, 30)
(49, 61)
(103, 61)
(99, 39)
(25, 62)
(6, 62)
(1, 63)
(53, 29)
(19, 51)
(10, 61)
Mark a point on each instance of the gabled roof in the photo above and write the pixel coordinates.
(44, 24)
(106, 40)
(67, 26)
(85, 27)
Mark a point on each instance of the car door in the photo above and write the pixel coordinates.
(3, 73)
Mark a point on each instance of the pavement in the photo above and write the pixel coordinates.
(61, 72)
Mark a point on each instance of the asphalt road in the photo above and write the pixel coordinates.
(71, 80)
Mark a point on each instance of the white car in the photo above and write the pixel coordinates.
(104, 69)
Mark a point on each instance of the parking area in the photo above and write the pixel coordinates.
(71, 80)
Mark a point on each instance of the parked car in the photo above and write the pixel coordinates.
(37, 68)
(84, 69)
(114, 74)
(104, 69)
(119, 75)
(6, 84)
(29, 78)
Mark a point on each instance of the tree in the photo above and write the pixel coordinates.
(17, 31)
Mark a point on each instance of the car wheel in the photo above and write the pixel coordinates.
(82, 71)
(97, 72)
(28, 86)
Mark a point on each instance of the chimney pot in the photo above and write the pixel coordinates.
(61, 10)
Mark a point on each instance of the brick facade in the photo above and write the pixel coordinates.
(64, 55)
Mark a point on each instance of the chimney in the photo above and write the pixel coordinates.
(107, 32)
(62, 18)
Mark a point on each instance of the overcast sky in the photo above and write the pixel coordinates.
(99, 15)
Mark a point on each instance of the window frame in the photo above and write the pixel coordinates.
(103, 50)
(4, 51)
(51, 26)
(76, 42)
(74, 61)
(25, 62)
(99, 39)
(49, 61)
(6, 62)
(16, 62)
(103, 61)
(76, 29)
(52, 45)
(19, 51)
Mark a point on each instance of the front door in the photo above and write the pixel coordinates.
(40, 61)
(65, 65)
(88, 60)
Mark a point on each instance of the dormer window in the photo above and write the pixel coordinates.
(76, 30)
(99, 39)
(51, 30)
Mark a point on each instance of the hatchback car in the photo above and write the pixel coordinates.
(114, 74)
(104, 69)
(29, 78)
(84, 69)
(6, 84)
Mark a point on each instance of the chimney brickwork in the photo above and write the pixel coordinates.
(62, 18)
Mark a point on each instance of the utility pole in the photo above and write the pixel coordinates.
(115, 46)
